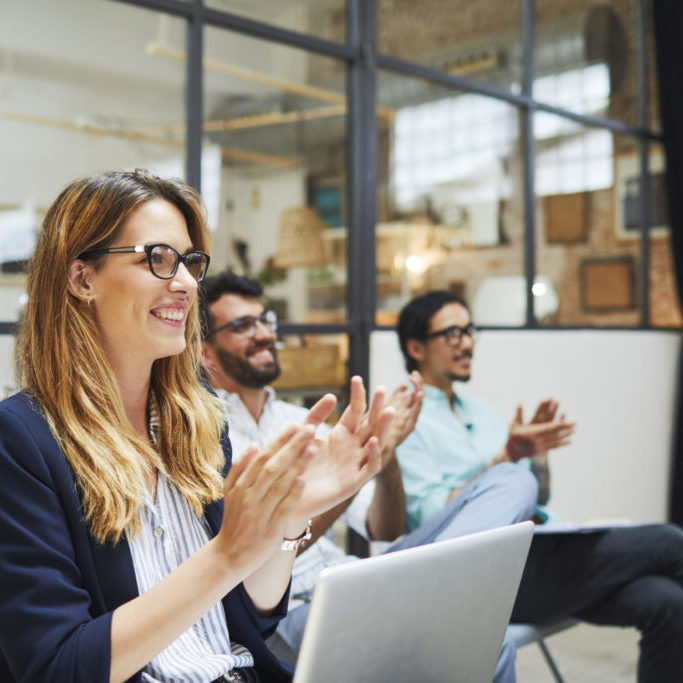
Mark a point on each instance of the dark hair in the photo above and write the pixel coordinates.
(413, 323)
(212, 288)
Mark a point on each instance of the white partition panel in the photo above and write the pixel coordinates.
(619, 386)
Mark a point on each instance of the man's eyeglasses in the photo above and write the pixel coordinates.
(453, 334)
(245, 326)
(163, 260)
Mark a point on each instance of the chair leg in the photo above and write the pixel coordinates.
(550, 661)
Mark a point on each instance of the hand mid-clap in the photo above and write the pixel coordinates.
(349, 456)
(407, 403)
(541, 434)
(269, 495)
(260, 494)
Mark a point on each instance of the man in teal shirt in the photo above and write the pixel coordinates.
(627, 576)
(470, 428)
(459, 437)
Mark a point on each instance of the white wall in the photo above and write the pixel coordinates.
(6, 365)
(618, 385)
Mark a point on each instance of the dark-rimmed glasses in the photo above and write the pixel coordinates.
(163, 259)
(453, 334)
(245, 326)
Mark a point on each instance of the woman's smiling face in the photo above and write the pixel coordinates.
(142, 317)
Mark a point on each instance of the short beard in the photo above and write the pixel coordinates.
(240, 370)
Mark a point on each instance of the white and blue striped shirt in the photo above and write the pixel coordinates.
(276, 416)
(170, 533)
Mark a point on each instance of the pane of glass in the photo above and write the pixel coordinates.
(450, 208)
(323, 18)
(586, 57)
(275, 131)
(588, 239)
(665, 308)
(461, 37)
(77, 100)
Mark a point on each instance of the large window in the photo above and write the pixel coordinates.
(275, 116)
(586, 57)
(452, 215)
(481, 41)
(80, 92)
(353, 153)
(323, 18)
(534, 212)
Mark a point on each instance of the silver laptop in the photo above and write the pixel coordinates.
(437, 613)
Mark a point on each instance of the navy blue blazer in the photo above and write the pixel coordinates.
(58, 585)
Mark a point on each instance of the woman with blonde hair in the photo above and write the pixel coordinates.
(126, 553)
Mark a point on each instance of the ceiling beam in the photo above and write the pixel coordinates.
(283, 84)
(231, 153)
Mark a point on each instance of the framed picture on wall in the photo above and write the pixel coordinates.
(627, 199)
(607, 284)
(566, 218)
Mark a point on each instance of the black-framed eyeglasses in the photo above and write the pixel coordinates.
(163, 259)
(453, 334)
(245, 326)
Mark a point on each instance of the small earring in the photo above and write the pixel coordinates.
(90, 300)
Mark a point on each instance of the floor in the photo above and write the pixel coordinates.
(583, 654)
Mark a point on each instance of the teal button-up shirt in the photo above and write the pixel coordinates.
(449, 445)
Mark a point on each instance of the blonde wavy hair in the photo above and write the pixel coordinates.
(60, 361)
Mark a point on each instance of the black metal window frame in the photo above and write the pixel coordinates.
(528, 107)
(363, 63)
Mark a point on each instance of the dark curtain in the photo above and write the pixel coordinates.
(668, 30)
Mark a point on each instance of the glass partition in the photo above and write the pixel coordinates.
(588, 226)
(450, 199)
(88, 97)
(586, 57)
(470, 38)
(275, 129)
(323, 18)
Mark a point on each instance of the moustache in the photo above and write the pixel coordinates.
(463, 355)
(260, 346)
